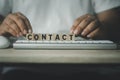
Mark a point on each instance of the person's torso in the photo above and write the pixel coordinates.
(52, 16)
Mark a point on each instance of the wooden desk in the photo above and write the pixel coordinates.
(59, 56)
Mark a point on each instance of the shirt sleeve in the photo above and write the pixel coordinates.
(5, 7)
(102, 5)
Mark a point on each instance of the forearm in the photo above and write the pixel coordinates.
(111, 22)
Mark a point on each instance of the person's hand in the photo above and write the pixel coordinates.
(15, 24)
(88, 26)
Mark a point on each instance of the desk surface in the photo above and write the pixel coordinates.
(59, 56)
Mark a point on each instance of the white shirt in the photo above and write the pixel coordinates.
(55, 16)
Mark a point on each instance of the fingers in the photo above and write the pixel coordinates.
(85, 25)
(6, 29)
(76, 23)
(16, 24)
(11, 24)
(94, 33)
(19, 21)
(91, 27)
(29, 27)
(11, 31)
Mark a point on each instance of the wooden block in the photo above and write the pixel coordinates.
(40, 36)
(36, 37)
(49, 37)
(63, 37)
(29, 36)
(52, 37)
(43, 37)
(71, 37)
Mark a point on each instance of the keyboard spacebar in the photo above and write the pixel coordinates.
(66, 46)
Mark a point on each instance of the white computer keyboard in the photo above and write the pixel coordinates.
(63, 45)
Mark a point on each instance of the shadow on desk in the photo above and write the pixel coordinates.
(62, 72)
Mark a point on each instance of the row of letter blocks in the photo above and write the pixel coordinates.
(50, 37)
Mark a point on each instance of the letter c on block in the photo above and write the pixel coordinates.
(64, 37)
(29, 36)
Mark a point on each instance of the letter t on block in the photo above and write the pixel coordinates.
(71, 37)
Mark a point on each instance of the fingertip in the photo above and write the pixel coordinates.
(17, 35)
(76, 32)
(83, 33)
(20, 34)
(71, 31)
(29, 31)
(25, 32)
(88, 36)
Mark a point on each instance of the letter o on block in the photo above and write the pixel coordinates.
(36, 37)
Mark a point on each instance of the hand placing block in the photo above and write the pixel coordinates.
(50, 37)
